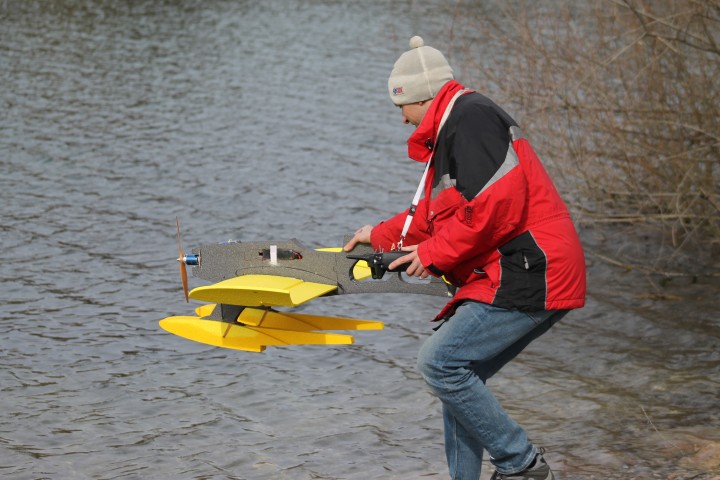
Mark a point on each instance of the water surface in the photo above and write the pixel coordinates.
(256, 121)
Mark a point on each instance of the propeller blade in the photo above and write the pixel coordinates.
(183, 271)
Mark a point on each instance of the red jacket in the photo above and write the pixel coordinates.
(491, 222)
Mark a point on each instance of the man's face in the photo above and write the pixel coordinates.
(414, 112)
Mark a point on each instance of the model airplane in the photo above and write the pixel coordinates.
(250, 279)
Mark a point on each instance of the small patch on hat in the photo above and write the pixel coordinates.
(398, 91)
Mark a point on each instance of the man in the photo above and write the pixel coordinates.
(491, 223)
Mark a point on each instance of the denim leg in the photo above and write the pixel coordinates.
(463, 451)
(544, 321)
(455, 362)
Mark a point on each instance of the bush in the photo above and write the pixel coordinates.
(621, 97)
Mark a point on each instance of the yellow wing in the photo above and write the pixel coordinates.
(242, 337)
(262, 291)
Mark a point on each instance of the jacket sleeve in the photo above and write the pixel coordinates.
(493, 188)
(385, 235)
(483, 224)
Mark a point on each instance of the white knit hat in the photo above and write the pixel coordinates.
(418, 74)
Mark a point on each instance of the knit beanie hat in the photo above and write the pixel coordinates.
(418, 74)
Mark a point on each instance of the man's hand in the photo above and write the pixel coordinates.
(415, 269)
(361, 236)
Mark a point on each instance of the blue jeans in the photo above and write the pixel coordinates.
(456, 361)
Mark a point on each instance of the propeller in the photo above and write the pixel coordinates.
(181, 259)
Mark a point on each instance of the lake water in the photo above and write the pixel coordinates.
(262, 121)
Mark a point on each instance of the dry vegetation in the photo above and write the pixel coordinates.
(621, 97)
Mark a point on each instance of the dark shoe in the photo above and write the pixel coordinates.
(538, 470)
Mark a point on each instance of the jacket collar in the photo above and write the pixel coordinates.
(422, 142)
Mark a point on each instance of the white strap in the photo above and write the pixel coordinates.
(413, 206)
(418, 193)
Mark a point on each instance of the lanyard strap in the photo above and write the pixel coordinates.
(413, 206)
(416, 198)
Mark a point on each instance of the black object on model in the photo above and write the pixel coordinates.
(379, 262)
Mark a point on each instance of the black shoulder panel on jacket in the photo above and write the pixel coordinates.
(472, 144)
